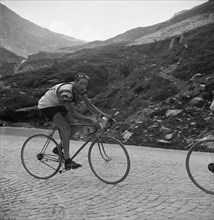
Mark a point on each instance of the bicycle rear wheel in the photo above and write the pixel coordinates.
(200, 165)
(37, 157)
(109, 160)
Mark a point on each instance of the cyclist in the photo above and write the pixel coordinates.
(58, 104)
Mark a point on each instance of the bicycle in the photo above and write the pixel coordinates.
(108, 158)
(200, 164)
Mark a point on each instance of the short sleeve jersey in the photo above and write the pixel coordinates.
(50, 98)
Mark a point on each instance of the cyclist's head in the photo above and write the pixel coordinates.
(81, 82)
(81, 75)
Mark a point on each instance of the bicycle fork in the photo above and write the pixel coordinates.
(103, 154)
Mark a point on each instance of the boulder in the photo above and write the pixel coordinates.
(168, 136)
(127, 134)
(164, 130)
(173, 112)
(197, 101)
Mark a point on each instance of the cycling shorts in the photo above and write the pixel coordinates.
(50, 112)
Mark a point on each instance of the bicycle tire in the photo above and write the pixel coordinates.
(37, 157)
(112, 164)
(200, 165)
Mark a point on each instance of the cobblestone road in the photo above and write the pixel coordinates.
(157, 188)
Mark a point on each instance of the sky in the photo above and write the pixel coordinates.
(97, 20)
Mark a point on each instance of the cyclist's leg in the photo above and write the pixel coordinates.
(56, 115)
(65, 129)
(71, 121)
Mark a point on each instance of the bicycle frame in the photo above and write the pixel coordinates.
(92, 137)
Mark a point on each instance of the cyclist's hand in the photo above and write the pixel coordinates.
(110, 119)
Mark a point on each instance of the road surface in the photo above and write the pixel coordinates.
(157, 188)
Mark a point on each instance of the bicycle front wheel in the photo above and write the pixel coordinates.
(109, 160)
(37, 157)
(200, 165)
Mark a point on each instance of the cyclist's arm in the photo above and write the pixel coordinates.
(90, 106)
(75, 115)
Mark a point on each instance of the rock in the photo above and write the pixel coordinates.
(208, 118)
(23, 93)
(164, 130)
(168, 136)
(159, 120)
(196, 101)
(126, 135)
(116, 113)
(163, 141)
(173, 112)
(139, 122)
(196, 76)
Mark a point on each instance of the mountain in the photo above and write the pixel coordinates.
(179, 24)
(199, 14)
(8, 62)
(23, 37)
(29, 38)
(9, 57)
(176, 27)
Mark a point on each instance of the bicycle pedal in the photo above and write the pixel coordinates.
(63, 170)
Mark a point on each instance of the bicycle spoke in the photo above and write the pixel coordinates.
(37, 157)
(48, 165)
(109, 160)
(51, 157)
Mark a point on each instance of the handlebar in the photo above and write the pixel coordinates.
(106, 122)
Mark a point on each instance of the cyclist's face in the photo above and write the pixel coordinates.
(81, 85)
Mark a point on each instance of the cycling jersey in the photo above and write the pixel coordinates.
(50, 98)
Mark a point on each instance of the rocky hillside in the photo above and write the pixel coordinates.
(8, 62)
(159, 92)
(177, 29)
(23, 37)
(9, 57)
